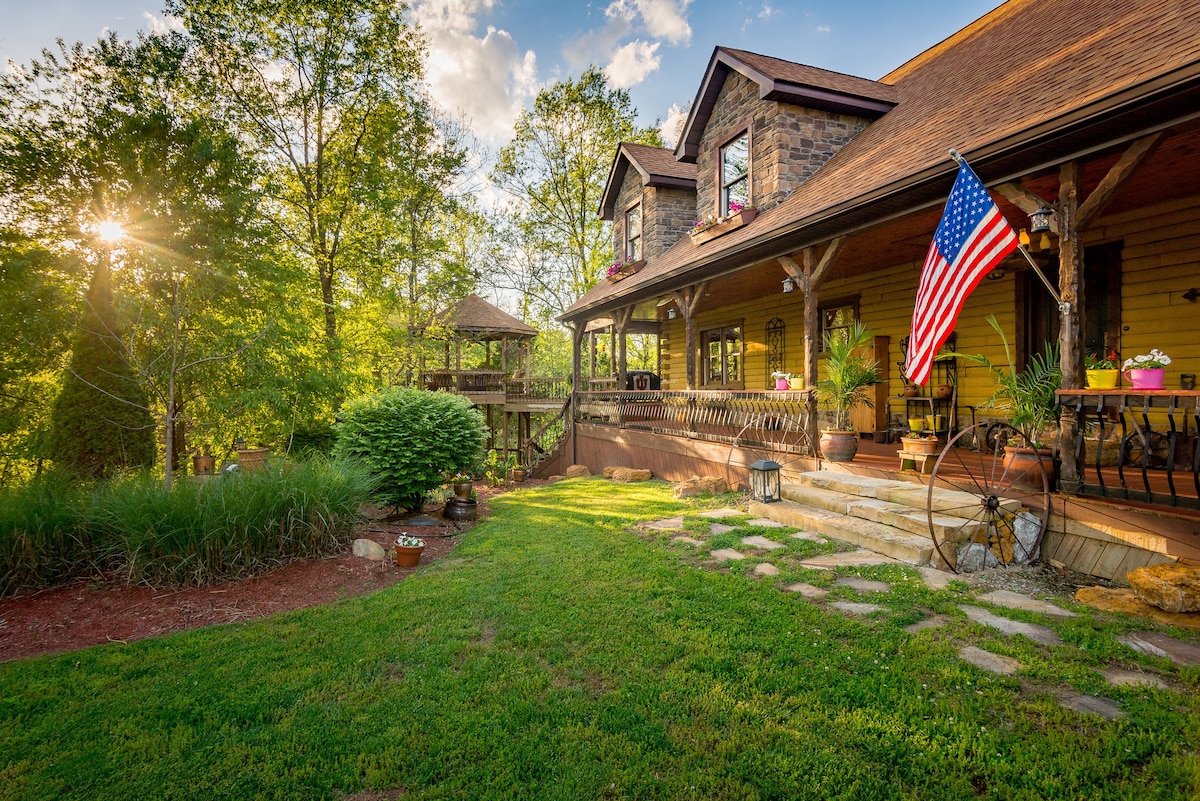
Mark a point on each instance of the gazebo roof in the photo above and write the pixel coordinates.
(475, 318)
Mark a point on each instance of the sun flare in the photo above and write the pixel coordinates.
(110, 231)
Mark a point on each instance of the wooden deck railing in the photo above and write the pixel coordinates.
(496, 382)
(732, 417)
(1138, 445)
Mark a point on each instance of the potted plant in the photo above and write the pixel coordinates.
(203, 462)
(1146, 371)
(1029, 397)
(920, 443)
(848, 377)
(1102, 373)
(408, 550)
(460, 483)
(782, 380)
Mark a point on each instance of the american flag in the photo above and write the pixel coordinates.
(972, 237)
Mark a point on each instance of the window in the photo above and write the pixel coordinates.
(837, 319)
(735, 173)
(721, 354)
(633, 233)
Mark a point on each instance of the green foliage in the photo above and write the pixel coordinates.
(53, 529)
(1027, 396)
(410, 439)
(101, 421)
(559, 655)
(848, 374)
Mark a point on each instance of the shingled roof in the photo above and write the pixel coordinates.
(476, 318)
(1028, 84)
(656, 165)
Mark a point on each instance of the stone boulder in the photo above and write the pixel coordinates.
(608, 471)
(701, 485)
(623, 475)
(578, 471)
(1169, 586)
(369, 549)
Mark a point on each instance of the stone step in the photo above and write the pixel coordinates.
(906, 493)
(899, 515)
(888, 540)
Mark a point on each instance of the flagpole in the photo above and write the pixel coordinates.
(1063, 306)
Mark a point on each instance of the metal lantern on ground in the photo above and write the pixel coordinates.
(764, 481)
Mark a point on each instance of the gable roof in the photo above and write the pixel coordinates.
(783, 81)
(1030, 84)
(656, 165)
(475, 317)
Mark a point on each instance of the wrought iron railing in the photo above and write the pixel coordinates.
(1138, 445)
(716, 416)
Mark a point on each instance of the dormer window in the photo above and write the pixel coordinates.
(633, 233)
(735, 173)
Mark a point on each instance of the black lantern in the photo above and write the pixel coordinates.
(239, 444)
(1039, 221)
(764, 481)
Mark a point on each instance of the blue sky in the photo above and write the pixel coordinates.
(489, 57)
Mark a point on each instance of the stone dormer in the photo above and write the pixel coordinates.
(658, 190)
(776, 120)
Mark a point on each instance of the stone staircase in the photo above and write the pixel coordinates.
(882, 515)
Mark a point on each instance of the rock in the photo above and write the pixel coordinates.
(609, 470)
(807, 590)
(766, 569)
(720, 528)
(666, 524)
(578, 471)
(554, 479)
(1126, 602)
(973, 557)
(701, 485)
(863, 585)
(1042, 634)
(763, 543)
(369, 549)
(686, 540)
(855, 608)
(985, 660)
(721, 514)
(724, 554)
(1170, 586)
(1016, 600)
(1162, 645)
(623, 475)
(1092, 705)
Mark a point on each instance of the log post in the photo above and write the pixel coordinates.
(1070, 337)
(621, 324)
(688, 299)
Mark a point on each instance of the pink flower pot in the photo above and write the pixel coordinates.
(782, 384)
(1145, 379)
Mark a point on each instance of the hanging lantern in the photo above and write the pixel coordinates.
(788, 285)
(1039, 221)
(670, 314)
(764, 481)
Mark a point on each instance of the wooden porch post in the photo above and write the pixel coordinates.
(810, 278)
(688, 299)
(621, 320)
(577, 335)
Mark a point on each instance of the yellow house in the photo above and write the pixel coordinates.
(814, 197)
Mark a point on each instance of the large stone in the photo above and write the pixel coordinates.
(610, 469)
(701, 485)
(863, 585)
(763, 543)
(1016, 600)
(1042, 634)
(623, 475)
(369, 549)
(1162, 645)
(1170, 586)
(724, 554)
(985, 660)
(578, 471)
(1092, 705)
(1126, 602)
(766, 569)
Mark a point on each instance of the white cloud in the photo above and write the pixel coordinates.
(672, 125)
(487, 79)
(823, 29)
(632, 63)
(767, 11)
(666, 19)
(162, 25)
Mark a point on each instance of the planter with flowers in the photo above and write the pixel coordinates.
(624, 269)
(920, 443)
(782, 380)
(1146, 371)
(408, 550)
(1102, 373)
(713, 226)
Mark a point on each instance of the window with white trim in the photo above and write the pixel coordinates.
(633, 233)
(735, 174)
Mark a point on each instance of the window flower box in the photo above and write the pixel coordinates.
(707, 230)
(622, 270)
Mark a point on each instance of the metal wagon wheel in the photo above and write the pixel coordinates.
(779, 438)
(1145, 449)
(1000, 501)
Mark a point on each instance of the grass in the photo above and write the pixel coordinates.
(559, 655)
(53, 529)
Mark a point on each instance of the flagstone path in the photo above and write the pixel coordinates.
(787, 549)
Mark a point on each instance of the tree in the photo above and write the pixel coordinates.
(101, 421)
(554, 171)
(318, 86)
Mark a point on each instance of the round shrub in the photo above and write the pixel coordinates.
(411, 439)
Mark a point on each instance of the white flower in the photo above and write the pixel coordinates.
(405, 541)
(1153, 360)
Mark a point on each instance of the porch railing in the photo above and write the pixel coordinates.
(537, 389)
(732, 417)
(474, 382)
(1137, 445)
(541, 443)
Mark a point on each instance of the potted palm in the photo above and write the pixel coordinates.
(1028, 397)
(848, 377)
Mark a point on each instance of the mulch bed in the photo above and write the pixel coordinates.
(103, 609)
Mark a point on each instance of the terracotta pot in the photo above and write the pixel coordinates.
(911, 391)
(407, 556)
(253, 458)
(204, 465)
(1146, 379)
(1103, 379)
(518, 474)
(943, 391)
(1021, 464)
(839, 446)
(913, 445)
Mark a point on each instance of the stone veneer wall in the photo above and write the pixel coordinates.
(667, 214)
(788, 143)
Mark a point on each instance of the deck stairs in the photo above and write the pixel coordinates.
(883, 515)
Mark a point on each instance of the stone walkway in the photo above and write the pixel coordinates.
(784, 550)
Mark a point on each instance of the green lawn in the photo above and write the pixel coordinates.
(559, 655)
